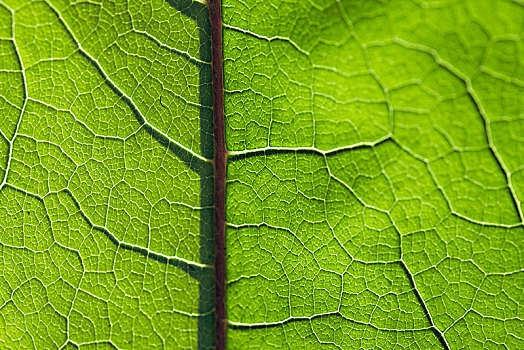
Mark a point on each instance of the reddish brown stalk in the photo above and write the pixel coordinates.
(215, 12)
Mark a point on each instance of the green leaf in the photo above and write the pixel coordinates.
(106, 179)
(375, 181)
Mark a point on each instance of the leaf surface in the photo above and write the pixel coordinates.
(375, 180)
(106, 182)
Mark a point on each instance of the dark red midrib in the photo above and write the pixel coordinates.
(215, 12)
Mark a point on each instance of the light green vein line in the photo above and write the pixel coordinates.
(311, 149)
(24, 83)
(267, 38)
(184, 54)
(112, 236)
(483, 115)
(106, 76)
(312, 317)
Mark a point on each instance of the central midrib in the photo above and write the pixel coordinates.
(215, 13)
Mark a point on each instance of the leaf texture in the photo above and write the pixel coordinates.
(375, 176)
(106, 179)
(375, 179)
